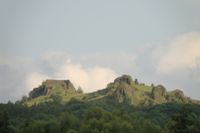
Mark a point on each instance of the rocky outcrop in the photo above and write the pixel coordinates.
(123, 93)
(65, 84)
(177, 96)
(36, 92)
(48, 85)
(123, 88)
(124, 79)
(158, 92)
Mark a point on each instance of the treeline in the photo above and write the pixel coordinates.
(78, 117)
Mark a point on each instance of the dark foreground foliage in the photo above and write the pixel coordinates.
(80, 117)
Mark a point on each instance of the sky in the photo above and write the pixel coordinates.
(92, 42)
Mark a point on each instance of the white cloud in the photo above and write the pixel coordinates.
(181, 53)
(34, 79)
(90, 79)
(118, 61)
(95, 71)
(20, 75)
(54, 59)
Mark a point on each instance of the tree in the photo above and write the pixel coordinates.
(71, 131)
(4, 121)
(184, 121)
(136, 81)
(24, 99)
(68, 122)
(95, 113)
(80, 90)
(56, 98)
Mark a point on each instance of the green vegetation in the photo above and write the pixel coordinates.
(123, 89)
(54, 90)
(81, 117)
(124, 106)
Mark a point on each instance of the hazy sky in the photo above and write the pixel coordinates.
(92, 42)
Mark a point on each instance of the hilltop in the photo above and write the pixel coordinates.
(122, 90)
(53, 90)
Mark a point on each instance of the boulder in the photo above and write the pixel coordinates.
(124, 79)
(176, 95)
(158, 92)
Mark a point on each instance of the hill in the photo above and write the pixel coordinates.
(53, 90)
(123, 90)
(124, 106)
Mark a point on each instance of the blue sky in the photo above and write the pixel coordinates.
(155, 41)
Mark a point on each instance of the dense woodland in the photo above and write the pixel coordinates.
(120, 108)
(78, 117)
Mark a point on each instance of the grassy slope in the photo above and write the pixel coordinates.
(141, 96)
(142, 93)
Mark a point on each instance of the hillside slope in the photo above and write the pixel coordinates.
(124, 106)
(123, 90)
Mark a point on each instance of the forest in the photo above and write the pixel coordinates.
(124, 106)
(78, 117)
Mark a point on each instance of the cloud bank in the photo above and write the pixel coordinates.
(174, 63)
(182, 52)
(19, 76)
(88, 78)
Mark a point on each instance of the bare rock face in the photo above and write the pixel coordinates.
(65, 84)
(36, 92)
(158, 92)
(123, 88)
(123, 92)
(48, 85)
(124, 79)
(177, 95)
